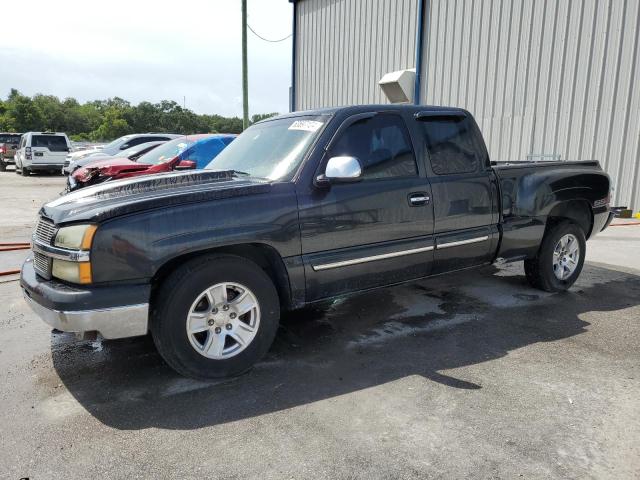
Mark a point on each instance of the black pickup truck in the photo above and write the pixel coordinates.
(299, 209)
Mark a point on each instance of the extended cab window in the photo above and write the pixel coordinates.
(382, 145)
(451, 143)
(55, 143)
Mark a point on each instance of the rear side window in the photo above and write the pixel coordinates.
(55, 143)
(452, 146)
(382, 145)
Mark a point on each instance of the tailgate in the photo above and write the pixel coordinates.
(49, 149)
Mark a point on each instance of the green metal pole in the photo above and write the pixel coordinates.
(245, 81)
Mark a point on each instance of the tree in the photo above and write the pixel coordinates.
(262, 116)
(113, 126)
(108, 119)
(24, 114)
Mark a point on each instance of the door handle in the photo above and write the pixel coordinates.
(417, 199)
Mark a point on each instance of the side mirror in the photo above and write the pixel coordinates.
(341, 170)
(185, 165)
(124, 147)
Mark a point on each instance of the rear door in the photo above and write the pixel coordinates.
(464, 190)
(49, 149)
(377, 231)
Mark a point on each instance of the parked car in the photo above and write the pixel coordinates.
(118, 145)
(299, 209)
(184, 153)
(132, 153)
(41, 151)
(8, 144)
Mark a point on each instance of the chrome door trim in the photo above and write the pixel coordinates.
(355, 261)
(463, 242)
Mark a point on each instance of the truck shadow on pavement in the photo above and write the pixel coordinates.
(422, 329)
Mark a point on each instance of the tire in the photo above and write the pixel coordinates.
(3, 165)
(25, 172)
(543, 273)
(178, 296)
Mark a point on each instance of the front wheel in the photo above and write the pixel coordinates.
(560, 259)
(215, 316)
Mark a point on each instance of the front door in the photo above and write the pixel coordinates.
(374, 232)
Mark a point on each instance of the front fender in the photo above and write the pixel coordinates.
(136, 246)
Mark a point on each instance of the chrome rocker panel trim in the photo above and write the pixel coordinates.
(117, 322)
(355, 261)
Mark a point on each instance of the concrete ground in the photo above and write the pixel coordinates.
(471, 375)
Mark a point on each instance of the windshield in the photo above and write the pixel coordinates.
(166, 152)
(116, 143)
(273, 149)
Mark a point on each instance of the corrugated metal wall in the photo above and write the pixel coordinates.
(343, 47)
(543, 77)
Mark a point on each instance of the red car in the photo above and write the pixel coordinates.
(184, 153)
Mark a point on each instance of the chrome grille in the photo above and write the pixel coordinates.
(42, 264)
(45, 231)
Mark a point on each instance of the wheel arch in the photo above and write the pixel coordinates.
(265, 256)
(578, 211)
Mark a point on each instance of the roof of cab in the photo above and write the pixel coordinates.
(355, 109)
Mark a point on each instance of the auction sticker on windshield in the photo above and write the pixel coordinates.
(307, 125)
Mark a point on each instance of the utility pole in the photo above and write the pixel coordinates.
(245, 81)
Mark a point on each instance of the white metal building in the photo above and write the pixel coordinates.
(556, 78)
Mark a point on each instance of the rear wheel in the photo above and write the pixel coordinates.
(3, 165)
(560, 259)
(25, 172)
(215, 316)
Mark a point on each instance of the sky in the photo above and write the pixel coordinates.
(149, 50)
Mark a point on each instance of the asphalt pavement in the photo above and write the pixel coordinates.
(470, 375)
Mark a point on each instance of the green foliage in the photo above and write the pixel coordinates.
(102, 120)
(262, 116)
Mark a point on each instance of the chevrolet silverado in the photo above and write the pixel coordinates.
(302, 208)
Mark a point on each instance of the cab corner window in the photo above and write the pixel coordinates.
(451, 145)
(381, 144)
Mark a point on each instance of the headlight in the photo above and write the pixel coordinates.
(75, 272)
(76, 237)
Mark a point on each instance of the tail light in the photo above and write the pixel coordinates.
(2, 149)
(27, 153)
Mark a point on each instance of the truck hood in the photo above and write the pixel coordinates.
(108, 167)
(122, 197)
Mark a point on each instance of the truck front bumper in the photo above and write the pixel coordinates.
(113, 311)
